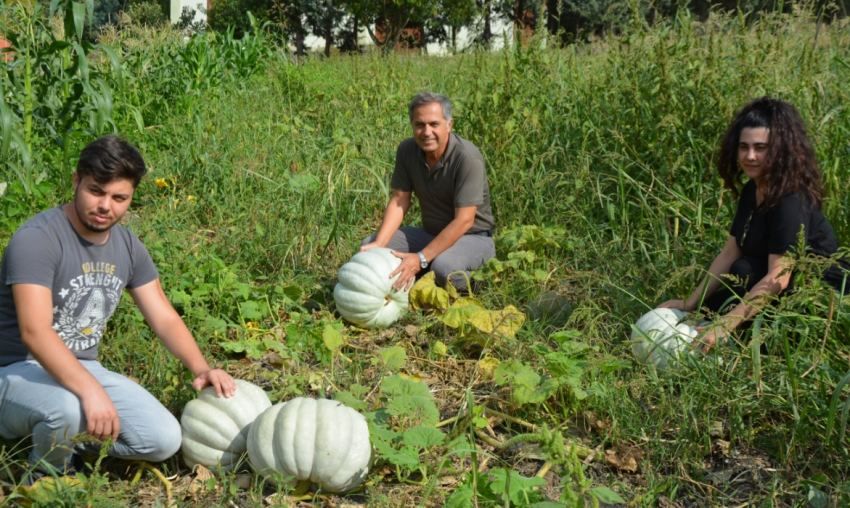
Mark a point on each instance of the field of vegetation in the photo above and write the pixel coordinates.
(265, 176)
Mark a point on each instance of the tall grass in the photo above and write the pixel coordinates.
(275, 172)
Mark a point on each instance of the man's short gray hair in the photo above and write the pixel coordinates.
(425, 98)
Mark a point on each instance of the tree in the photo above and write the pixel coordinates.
(324, 18)
(457, 14)
(391, 15)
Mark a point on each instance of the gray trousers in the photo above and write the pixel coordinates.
(470, 252)
(33, 403)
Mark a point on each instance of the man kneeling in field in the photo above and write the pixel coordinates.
(447, 174)
(62, 276)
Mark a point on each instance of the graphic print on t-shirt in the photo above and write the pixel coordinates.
(86, 305)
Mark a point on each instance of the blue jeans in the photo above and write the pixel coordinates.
(33, 403)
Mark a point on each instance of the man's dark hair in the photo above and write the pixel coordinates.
(109, 158)
(790, 164)
(425, 98)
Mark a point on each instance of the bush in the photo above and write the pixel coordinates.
(234, 13)
(147, 14)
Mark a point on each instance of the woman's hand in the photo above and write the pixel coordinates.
(673, 304)
(707, 342)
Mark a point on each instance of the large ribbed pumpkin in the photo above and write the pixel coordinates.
(660, 338)
(215, 429)
(319, 441)
(365, 295)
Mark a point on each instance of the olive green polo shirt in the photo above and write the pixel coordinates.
(459, 179)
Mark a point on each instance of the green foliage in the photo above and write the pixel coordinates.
(599, 159)
(146, 13)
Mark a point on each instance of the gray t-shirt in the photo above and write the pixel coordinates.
(86, 280)
(459, 179)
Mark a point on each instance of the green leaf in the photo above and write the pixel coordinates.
(411, 399)
(350, 400)
(525, 383)
(440, 348)
(518, 489)
(332, 338)
(79, 19)
(606, 495)
(425, 294)
(407, 457)
(250, 311)
(461, 497)
(423, 437)
(393, 357)
(179, 297)
(460, 312)
(294, 293)
(273, 345)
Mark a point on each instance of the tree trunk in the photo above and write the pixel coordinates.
(356, 34)
(299, 45)
(329, 36)
(488, 34)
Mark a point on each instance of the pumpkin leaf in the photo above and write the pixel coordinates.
(393, 357)
(460, 312)
(250, 311)
(488, 365)
(517, 487)
(420, 437)
(527, 385)
(410, 399)
(215, 324)
(332, 338)
(505, 322)
(349, 400)
(440, 348)
(425, 294)
(407, 457)
(532, 238)
(606, 495)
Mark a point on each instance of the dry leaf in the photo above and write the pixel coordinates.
(715, 429)
(411, 330)
(625, 457)
(722, 447)
(487, 366)
(242, 481)
(425, 294)
(202, 473)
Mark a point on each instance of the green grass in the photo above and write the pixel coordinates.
(606, 147)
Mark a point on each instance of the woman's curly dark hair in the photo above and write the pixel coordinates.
(790, 164)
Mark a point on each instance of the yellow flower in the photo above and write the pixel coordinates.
(161, 183)
(190, 198)
(251, 324)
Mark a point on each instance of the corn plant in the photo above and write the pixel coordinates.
(54, 97)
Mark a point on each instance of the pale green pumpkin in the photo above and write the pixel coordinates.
(319, 441)
(364, 295)
(215, 429)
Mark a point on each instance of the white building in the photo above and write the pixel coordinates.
(502, 31)
(200, 7)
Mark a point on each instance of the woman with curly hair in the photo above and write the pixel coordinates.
(767, 143)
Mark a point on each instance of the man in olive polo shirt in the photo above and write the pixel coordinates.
(447, 174)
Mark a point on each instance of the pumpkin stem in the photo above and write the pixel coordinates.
(301, 488)
(387, 300)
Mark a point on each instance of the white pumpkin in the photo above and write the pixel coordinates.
(215, 429)
(659, 337)
(365, 295)
(319, 441)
